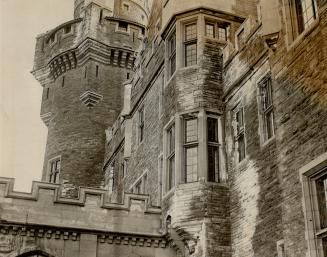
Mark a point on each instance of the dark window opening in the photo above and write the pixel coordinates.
(63, 81)
(213, 150)
(123, 26)
(85, 72)
(67, 29)
(128, 75)
(48, 93)
(141, 124)
(97, 71)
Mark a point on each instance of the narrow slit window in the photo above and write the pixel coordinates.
(97, 70)
(213, 150)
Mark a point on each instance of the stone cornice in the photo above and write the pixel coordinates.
(88, 49)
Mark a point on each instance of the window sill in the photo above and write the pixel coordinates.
(268, 141)
(296, 42)
(168, 194)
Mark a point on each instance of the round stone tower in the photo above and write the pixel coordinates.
(82, 65)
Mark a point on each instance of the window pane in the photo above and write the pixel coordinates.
(172, 64)
(172, 43)
(170, 179)
(171, 140)
(212, 130)
(266, 94)
(213, 164)
(190, 54)
(322, 200)
(191, 130)
(240, 120)
(269, 124)
(190, 32)
(241, 148)
(222, 33)
(210, 30)
(191, 164)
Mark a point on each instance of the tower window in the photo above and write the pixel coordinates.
(85, 72)
(190, 44)
(191, 149)
(97, 70)
(239, 139)
(123, 26)
(141, 124)
(170, 174)
(172, 53)
(63, 81)
(54, 170)
(47, 93)
(67, 29)
(267, 110)
(213, 149)
(126, 7)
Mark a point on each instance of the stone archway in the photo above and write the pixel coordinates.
(35, 253)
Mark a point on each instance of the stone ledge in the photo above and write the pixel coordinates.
(130, 200)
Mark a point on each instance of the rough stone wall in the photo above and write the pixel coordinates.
(301, 102)
(266, 193)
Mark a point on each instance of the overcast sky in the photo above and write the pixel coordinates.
(22, 134)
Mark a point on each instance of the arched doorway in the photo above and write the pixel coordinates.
(36, 253)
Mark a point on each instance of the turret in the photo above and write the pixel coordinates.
(82, 65)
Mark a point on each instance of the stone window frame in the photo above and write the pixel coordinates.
(190, 145)
(118, 30)
(192, 41)
(140, 124)
(171, 54)
(293, 35)
(51, 162)
(263, 111)
(308, 176)
(217, 24)
(67, 34)
(217, 144)
(280, 248)
(238, 133)
(165, 156)
(140, 184)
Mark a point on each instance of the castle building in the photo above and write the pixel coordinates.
(179, 128)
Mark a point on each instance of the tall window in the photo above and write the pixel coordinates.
(54, 170)
(172, 53)
(190, 44)
(305, 14)
(314, 178)
(141, 124)
(210, 30)
(239, 132)
(213, 149)
(191, 149)
(170, 174)
(265, 87)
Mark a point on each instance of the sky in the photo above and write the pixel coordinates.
(22, 133)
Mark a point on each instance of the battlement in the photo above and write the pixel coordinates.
(44, 206)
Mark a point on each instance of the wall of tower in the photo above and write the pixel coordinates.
(82, 65)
